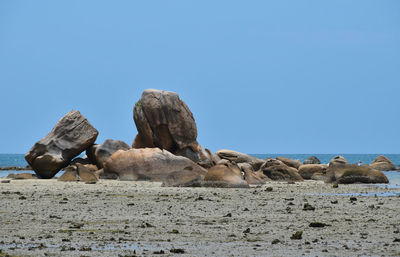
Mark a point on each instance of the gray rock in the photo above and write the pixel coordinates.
(70, 136)
(312, 160)
(99, 154)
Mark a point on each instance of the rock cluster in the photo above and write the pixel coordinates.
(166, 150)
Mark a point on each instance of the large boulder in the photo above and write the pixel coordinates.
(277, 170)
(312, 160)
(151, 164)
(289, 162)
(228, 175)
(238, 157)
(353, 173)
(338, 161)
(69, 137)
(306, 171)
(163, 120)
(99, 154)
(383, 163)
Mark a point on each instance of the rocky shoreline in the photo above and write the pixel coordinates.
(166, 194)
(138, 218)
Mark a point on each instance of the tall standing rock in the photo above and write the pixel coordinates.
(69, 137)
(163, 120)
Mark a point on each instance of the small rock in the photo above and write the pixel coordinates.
(317, 225)
(334, 202)
(269, 189)
(177, 250)
(396, 240)
(353, 199)
(228, 215)
(6, 181)
(297, 236)
(335, 185)
(246, 231)
(308, 207)
(275, 241)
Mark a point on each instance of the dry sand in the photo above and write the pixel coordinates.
(115, 218)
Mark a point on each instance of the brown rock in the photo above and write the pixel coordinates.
(289, 162)
(70, 136)
(85, 174)
(306, 171)
(352, 173)
(238, 157)
(312, 160)
(252, 177)
(149, 164)
(99, 154)
(338, 161)
(163, 120)
(229, 174)
(25, 176)
(70, 174)
(383, 163)
(277, 170)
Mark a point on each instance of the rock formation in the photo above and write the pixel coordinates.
(383, 163)
(163, 120)
(99, 154)
(352, 173)
(71, 135)
(151, 164)
(228, 175)
(238, 157)
(277, 170)
(306, 171)
(289, 162)
(312, 160)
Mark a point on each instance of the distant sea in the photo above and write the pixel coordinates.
(7, 160)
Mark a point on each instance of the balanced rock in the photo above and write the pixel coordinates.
(289, 162)
(306, 171)
(70, 136)
(277, 170)
(228, 175)
(383, 163)
(338, 161)
(352, 173)
(99, 154)
(312, 160)
(163, 120)
(149, 164)
(238, 157)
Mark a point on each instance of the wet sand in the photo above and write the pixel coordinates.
(115, 218)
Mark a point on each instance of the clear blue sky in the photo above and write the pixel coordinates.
(259, 76)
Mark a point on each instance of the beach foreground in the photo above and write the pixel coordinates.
(116, 218)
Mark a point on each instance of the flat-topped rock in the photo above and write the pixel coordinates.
(239, 157)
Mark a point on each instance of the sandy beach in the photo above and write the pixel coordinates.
(116, 218)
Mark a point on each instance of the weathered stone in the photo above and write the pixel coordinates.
(319, 176)
(149, 164)
(163, 120)
(338, 161)
(252, 177)
(306, 171)
(70, 174)
(289, 162)
(25, 176)
(383, 163)
(312, 160)
(238, 157)
(70, 136)
(230, 175)
(99, 154)
(277, 170)
(85, 174)
(352, 173)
